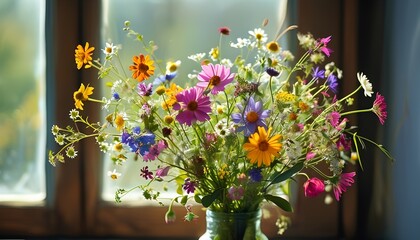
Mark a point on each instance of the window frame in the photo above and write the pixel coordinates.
(73, 207)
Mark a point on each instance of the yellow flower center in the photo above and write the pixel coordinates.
(263, 146)
(273, 46)
(258, 36)
(252, 117)
(114, 176)
(173, 68)
(192, 106)
(214, 81)
(108, 50)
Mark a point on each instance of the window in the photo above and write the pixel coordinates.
(75, 198)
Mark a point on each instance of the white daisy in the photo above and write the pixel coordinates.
(242, 42)
(110, 49)
(114, 174)
(172, 66)
(197, 57)
(259, 35)
(367, 86)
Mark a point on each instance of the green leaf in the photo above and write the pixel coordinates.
(209, 199)
(282, 176)
(184, 200)
(280, 202)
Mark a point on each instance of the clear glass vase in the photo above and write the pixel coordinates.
(233, 226)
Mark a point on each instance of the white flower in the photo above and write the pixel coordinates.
(226, 62)
(172, 66)
(259, 34)
(71, 152)
(110, 49)
(242, 42)
(306, 40)
(197, 57)
(287, 55)
(74, 114)
(114, 174)
(367, 86)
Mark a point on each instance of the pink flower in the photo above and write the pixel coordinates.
(313, 187)
(379, 108)
(154, 151)
(192, 105)
(224, 30)
(343, 144)
(334, 117)
(214, 77)
(162, 172)
(345, 181)
(236, 193)
(323, 42)
(310, 155)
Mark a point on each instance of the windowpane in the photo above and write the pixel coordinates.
(179, 28)
(22, 105)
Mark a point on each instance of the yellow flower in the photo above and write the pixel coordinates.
(82, 95)
(119, 122)
(83, 55)
(285, 97)
(171, 92)
(142, 67)
(261, 148)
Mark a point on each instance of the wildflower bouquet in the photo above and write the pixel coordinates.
(235, 132)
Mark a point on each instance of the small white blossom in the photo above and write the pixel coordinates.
(242, 42)
(114, 174)
(259, 35)
(197, 57)
(60, 139)
(192, 76)
(74, 114)
(71, 152)
(366, 85)
(172, 66)
(287, 55)
(55, 130)
(110, 49)
(306, 40)
(226, 62)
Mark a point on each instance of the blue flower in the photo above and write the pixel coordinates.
(250, 118)
(316, 73)
(164, 78)
(255, 175)
(138, 143)
(332, 83)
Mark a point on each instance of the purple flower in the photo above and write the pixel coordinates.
(144, 172)
(192, 105)
(189, 186)
(144, 90)
(163, 171)
(116, 96)
(138, 143)
(379, 108)
(236, 193)
(214, 77)
(316, 73)
(332, 83)
(251, 118)
(255, 174)
(272, 72)
(154, 151)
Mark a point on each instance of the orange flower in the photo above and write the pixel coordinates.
(261, 148)
(142, 67)
(83, 56)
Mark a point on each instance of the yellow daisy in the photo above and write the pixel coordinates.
(261, 148)
(82, 95)
(83, 56)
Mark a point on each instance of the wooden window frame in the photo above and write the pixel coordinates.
(73, 207)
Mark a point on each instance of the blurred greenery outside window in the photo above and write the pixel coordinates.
(22, 105)
(179, 29)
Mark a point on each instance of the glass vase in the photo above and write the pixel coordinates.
(233, 226)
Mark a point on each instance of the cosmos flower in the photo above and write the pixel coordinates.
(345, 180)
(379, 108)
(192, 106)
(214, 77)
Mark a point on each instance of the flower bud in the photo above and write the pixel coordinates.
(168, 119)
(170, 216)
(313, 187)
(160, 90)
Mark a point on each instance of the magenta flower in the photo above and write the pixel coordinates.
(379, 108)
(323, 42)
(343, 144)
(214, 77)
(163, 171)
(154, 151)
(236, 193)
(334, 118)
(313, 187)
(310, 155)
(192, 105)
(344, 181)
